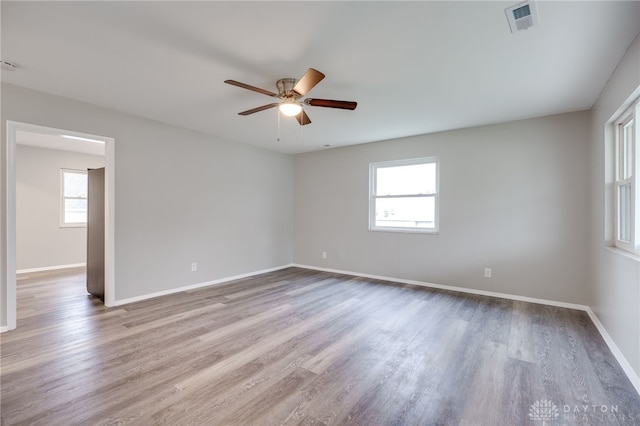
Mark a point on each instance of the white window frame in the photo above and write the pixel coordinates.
(64, 224)
(373, 167)
(632, 113)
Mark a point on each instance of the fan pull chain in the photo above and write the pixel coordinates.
(301, 133)
(278, 112)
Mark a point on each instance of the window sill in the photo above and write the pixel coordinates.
(624, 253)
(406, 231)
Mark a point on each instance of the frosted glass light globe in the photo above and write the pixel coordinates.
(290, 109)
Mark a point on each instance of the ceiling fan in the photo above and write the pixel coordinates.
(290, 93)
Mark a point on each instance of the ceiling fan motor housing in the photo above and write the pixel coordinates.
(285, 89)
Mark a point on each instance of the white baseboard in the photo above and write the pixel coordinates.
(630, 372)
(196, 286)
(626, 367)
(453, 288)
(50, 268)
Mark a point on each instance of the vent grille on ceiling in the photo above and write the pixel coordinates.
(521, 16)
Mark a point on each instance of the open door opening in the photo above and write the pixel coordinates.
(8, 304)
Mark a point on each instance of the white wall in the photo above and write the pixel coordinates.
(513, 198)
(180, 196)
(40, 241)
(613, 277)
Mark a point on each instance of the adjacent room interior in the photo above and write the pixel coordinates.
(444, 228)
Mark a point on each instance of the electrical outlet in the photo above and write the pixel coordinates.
(324, 254)
(487, 272)
(194, 267)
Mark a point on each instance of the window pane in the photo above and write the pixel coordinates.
(406, 212)
(406, 180)
(75, 184)
(626, 151)
(624, 213)
(75, 211)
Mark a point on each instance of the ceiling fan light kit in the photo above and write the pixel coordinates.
(290, 92)
(290, 109)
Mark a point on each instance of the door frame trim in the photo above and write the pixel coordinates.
(10, 304)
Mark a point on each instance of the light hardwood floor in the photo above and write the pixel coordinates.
(300, 347)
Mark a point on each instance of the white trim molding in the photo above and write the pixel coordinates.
(196, 286)
(624, 364)
(631, 374)
(9, 274)
(452, 288)
(50, 268)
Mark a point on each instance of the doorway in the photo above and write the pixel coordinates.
(13, 129)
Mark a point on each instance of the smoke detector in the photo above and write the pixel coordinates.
(7, 66)
(522, 16)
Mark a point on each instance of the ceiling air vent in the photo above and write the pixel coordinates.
(521, 16)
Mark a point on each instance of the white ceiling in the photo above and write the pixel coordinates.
(413, 67)
(48, 140)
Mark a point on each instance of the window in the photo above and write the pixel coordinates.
(403, 195)
(627, 197)
(73, 205)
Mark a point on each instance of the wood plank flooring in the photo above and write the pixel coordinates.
(300, 347)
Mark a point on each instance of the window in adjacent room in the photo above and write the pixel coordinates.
(403, 195)
(627, 192)
(73, 204)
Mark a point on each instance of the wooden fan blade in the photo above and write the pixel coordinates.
(258, 109)
(303, 118)
(328, 103)
(249, 87)
(308, 81)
